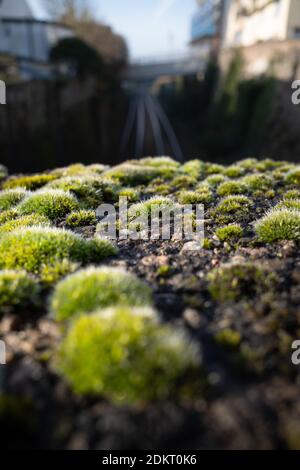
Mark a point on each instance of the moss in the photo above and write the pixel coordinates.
(93, 288)
(228, 338)
(215, 180)
(183, 182)
(76, 169)
(17, 290)
(234, 171)
(232, 204)
(25, 221)
(194, 197)
(164, 270)
(289, 204)
(97, 168)
(293, 176)
(37, 248)
(133, 174)
(233, 231)
(11, 197)
(248, 163)
(145, 207)
(292, 194)
(237, 281)
(194, 168)
(81, 218)
(208, 244)
(87, 189)
(279, 224)
(213, 168)
(29, 182)
(131, 194)
(8, 215)
(141, 360)
(52, 203)
(231, 187)
(257, 181)
(159, 162)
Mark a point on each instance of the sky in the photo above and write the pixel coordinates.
(151, 27)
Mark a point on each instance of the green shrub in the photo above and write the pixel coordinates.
(11, 197)
(126, 355)
(232, 204)
(87, 189)
(93, 288)
(231, 187)
(81, 218)
(28, 182)
(293, 176)
(17, 290)
(25, 221)
(229, 232)
(236, 281)
(52, 203)
(37, 249)
(279, 224)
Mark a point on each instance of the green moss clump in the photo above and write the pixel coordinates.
(232, 204)
(76, 169)
(194, 168)
(194, 197)
(292, 194)
(279, 224)
(159, 162)
(257, 182)
(130, 174)
(17, 290)
(237, 281)
(52, 203)
(289, 204)
(231, 187)
(97, 168)
(25, 221)
(8, 215)
(234, 171)
(81, 218)
(131, 194)
(93, 288)
(213, 168)
(183, 182)
(233, 231)
(145, 207)
(11, 197)
(248, 163)
(3, 172)
(29, 182)
(293, 176)
(39, 249)
(141, 360)
(228, 338)
(215, 180)
(88, 189)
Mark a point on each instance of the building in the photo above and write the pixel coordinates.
(27, 35)
(247, 22)
(206, 26)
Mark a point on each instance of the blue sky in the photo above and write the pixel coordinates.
(150, 26)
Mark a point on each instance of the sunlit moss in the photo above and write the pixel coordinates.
(292, 194)
(215, 180)
(141, 360)
(11, 197)
(289, 204)
(233, 231)
(228, 338)
(81, 218)
(293, 176)
(231, 187)
(279, 224)
(52, 203)
(87, 189)
(213, 168)
(25, 221)
(17, 290)
(194, 197)
(94, 288)
(234, 171)
(194, 168)
(29, 182)
(258, 181)
(37, 248)
(232, 204)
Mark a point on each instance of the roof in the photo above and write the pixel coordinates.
(17, 9)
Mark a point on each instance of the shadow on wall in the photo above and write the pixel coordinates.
(46, 124)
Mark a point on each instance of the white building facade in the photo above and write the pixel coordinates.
(247, 22)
